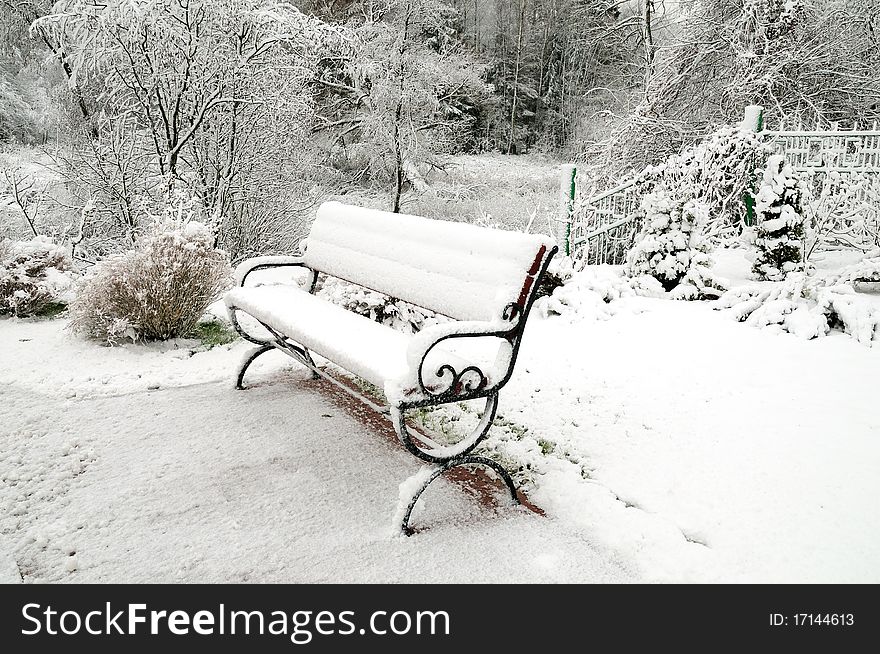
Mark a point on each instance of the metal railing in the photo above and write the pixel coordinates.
(608, 225)
(601, 228)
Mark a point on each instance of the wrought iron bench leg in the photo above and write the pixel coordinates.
(443, 454)
(454, 463)
(248, 360)
(297, 352)
(448, 457)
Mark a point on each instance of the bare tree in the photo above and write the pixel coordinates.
(217, 93)
(28, 11)
(400, 95)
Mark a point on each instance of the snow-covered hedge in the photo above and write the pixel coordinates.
(156, 291)
(781, 229)
(593, 293)
(34, 275)
(866, 270)
(671, 248)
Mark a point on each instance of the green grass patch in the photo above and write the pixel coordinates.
(546, 446)
(214, 333)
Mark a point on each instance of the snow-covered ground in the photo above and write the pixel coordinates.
(143, 465)
(666, 442)
(760, 450)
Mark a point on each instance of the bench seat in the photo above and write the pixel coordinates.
(353, 342)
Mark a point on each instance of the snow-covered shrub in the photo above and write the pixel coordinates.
(381, 308)
(786, 304)
(780, 230)
(719, 172)
(559, 272)
(850, 311)
(593, 292)
(671, 248)
(866, 270)
(34, 275)
(805, 306)
(156, 291)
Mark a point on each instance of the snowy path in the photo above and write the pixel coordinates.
(202, 483)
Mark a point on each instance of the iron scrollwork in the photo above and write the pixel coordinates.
(471, 381)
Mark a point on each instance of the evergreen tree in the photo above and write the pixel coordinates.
(671, 247)
(780, 231)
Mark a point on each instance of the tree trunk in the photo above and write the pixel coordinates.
(522, 11)
(398, 160)
(476, 27)
(399, 174)
(650, 47)
(72, 84)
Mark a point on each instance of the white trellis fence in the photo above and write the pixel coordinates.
(842, 169)
(841, 166)
(604, 225)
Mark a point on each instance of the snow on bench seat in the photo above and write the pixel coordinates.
(370, 350)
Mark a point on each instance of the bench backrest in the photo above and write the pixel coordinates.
(459, 270)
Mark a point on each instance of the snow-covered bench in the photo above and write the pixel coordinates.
(484, 280)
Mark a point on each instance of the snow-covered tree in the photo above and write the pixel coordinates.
(217, 94)
(809, 59)
(174, 64)
(402, 95)
(671, 248)
(780, 229)
(718, 171)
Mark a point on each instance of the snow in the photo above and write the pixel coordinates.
(663, 440)
(385, 357)
(456, 269)
(865, 270)
(8, 567)
(763, 447)
(354, 342)
(247, 267)
(860, 315)
(807, 305)
(196, 482)
(592, 293)
(751, 118)
(406, 492)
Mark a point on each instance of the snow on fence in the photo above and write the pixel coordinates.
(841, 166)
(831, 150)
(605, 225)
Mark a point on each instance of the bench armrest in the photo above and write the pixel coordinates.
(436, 375)
(430, 336)
(248, 266)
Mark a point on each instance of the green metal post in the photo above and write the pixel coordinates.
(753, 121)
(567, 189)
